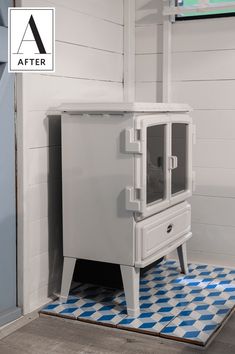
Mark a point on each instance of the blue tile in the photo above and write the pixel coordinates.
(88, 313)
(148, 325)
(146, 314)
(169, 329)
(206, 317)
(210, 327)
(189, 307)
(166, 319)
(191, 334)
(166, 309)
(68, 310)
(50, 307)
(106, 318)
(187, 323)
(222, 311)
(199, 298)
(185, 313)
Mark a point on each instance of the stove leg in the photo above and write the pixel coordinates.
(182, 254)
(68, 269)
(131, 284)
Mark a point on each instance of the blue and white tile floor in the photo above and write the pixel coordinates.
(187, 308)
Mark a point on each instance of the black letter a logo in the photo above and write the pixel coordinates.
(36, 35)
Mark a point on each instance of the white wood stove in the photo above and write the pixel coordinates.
(127, 171)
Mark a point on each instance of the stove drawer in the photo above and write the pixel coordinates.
(157, 234)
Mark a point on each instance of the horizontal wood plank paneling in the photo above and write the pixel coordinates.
(98, 34)
(214, 153)
(213, 210)
(189, 36)
(203, 74)
(204, 236)
(211, 244)
(215, 182)
(70, 27)
(209, 34)
(205, 94)
(214, 124)
(216, 259)
(48, 92)
(208, 65)
(87, 63)
(191, 66)
(109, 10)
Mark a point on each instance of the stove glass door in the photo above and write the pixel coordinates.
(155, 164)
(179, 149)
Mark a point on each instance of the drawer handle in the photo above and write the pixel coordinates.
(169, 228)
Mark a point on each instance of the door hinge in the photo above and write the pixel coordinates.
(132, 145)
(132, 203)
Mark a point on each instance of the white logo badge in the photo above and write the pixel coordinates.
(31, 39)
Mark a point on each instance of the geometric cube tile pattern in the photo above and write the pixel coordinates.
(187, 308)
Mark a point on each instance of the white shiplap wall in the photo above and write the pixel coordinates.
(149, 49)
(204, 76)
(89, 67)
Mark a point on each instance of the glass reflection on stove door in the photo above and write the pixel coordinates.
(179, 140)
(155, 163)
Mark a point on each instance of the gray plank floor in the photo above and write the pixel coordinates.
(55, 335)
